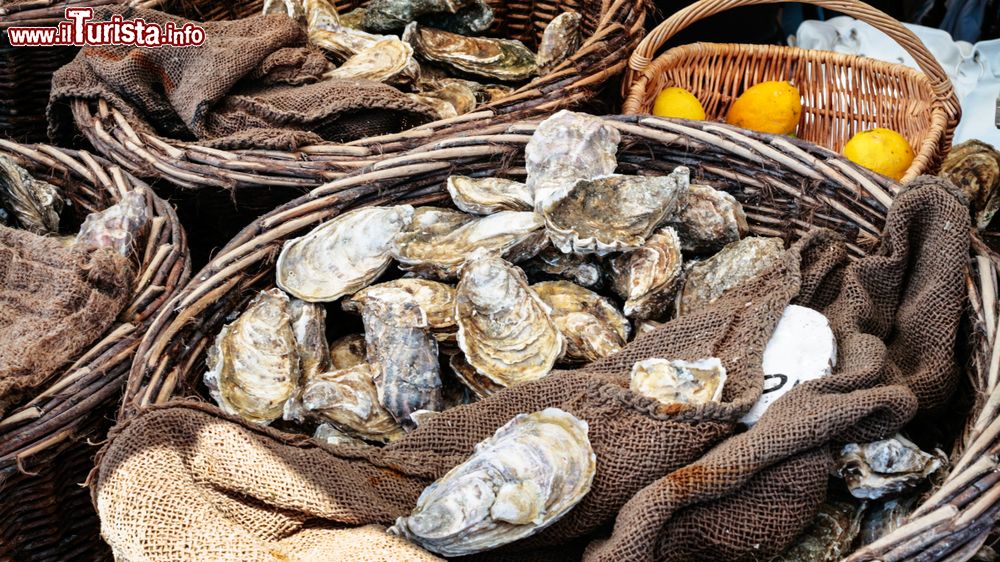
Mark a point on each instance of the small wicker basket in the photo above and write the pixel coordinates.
(841, 94)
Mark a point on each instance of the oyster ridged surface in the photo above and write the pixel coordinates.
(388, 60)
(886, 467)
(120, 227)
(679, 382)
(393, 15)
(484, 196)
(974, 167)
(436, 299)
(648, 278)
(706, 281)
(709, 220)
(34, 203)
(591, 324)
(561, 38)
(480, 385)
(502, 59)
(309, 327)
(472, 19)
(348, 399)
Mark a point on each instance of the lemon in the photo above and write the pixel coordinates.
(882, 151)
(679, 103)
(768, 107)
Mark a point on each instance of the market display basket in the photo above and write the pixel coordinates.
(786, 185)
(841, 94)
(47, 443)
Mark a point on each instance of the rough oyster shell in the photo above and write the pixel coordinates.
(709, 220)
(579, 269)
(613, 213)
(35, 204)
(567, 147)
(349, 400)
(384, 16)
(347, 352)
(120, 228)
(485, 196)
(974, 167)
(341, 256)
(480, 385)
(473, 19)
(877, 469)
(525, 477)
(253, 365)
(561, 38)
(326, 433)
(389, 60)
(503, 59)
(437, 300)
(504, 328)
(437, 241)
(290, 8)
(442, 109)
(458, 95)
(592, 326)
(403, 355)
(320, 14)
(830, 535)
(309, 327)
(706, 281)
(648, 278)
(679, 382)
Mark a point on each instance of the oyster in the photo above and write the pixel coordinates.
(347, 351)
(437, 241)
(829, 537)
(458, 95)
(34, 204)
(480, 385)
(551, 263)
(567, 147)
(320, 14)
(403, 355)
(561, 38)
(389, 60)
(679, 382)
(484, 196)
(437, 301)
(610, 214)
(290, 8)
(504, 328)
(885, 517)
(503, 59)
(474, 18)
(442, 109)
(341, 256)
(974, 167)
(120, 228)
(881, 468)
(648, 278)
(709, 220)
(706, 281)
(592, 326)
(326, 433)
(384, 16)
(525, 477)
(348, 399)
(253, 367)
(309, 327)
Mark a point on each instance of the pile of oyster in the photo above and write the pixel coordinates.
(432, 49)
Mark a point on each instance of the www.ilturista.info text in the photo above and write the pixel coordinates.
(80, 31)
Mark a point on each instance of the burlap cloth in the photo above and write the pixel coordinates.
(184, 482)
(254, 83)
(54, 302)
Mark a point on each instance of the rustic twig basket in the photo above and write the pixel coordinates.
(47, 444)
(841, 94)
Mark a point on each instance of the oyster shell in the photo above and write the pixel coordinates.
(309, 327)
(504, 328)
(503, 59)
(383, 16)
(709, 220)
(567, 147)
(389, 60)
(474, 18)
(885, 517)
(320, 14)
(120, 228)
(348, 399)
(561, 38)
(442, 109)
(34, 204)
(881, 468)
(551, 263)
(326, 433)
(974, 167)
(706, 281)
(679, 382)
(290, 8)
(341, 256)
(437, 241)
(610, 214)
(592, 326)
(437, 301)
(648, 278)
(347, 351)
(458, 95)
(647, 326)
(525, 477)
(253, 367)
(480, 385)
(830, 535)
(403, 355)
(484, 196)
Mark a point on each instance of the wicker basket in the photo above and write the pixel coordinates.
(841, 94)
(47, 444)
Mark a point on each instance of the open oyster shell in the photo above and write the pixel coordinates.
(613, 213)
(504, 328)
(648, 278)
(437, 300)
(484, 196)
(974, 167)
(561, 38)
(309, 327)
(403, 355)
(437, 241)
(389, 60)
(525, 477)
(120, 228)
(592, 326)
(347, 351)
(882, 468)
(480, 385)
(706, 281)
(679, 382)
(253, 367)
(348, 399)
(709, 220)
(341, 256)
(552, 263)
(504, 59)
(35, 204)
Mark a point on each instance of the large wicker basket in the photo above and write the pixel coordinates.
(841, 94)
(47, 445)
(786, 185)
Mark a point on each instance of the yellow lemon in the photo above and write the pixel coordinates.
(679, 103)
(882, 151)
(768, 107)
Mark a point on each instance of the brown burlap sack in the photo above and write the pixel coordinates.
(54, 302)
(253, 84)
(234, 491)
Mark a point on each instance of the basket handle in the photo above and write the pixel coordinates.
(646, 51)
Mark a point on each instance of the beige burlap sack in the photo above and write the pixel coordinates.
(234, 491)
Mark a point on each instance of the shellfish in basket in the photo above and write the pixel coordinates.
(706, 281)
(437, 300)
(471, 16)
(120, 227)
(561, 38)
(506, 60)
(347, 351)
(887, 467)
(592, 326)
(525, 477)
(389, 60)
(348, 399)
(484, 196)
(648, 278)
(34, 204)
(709, 220)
